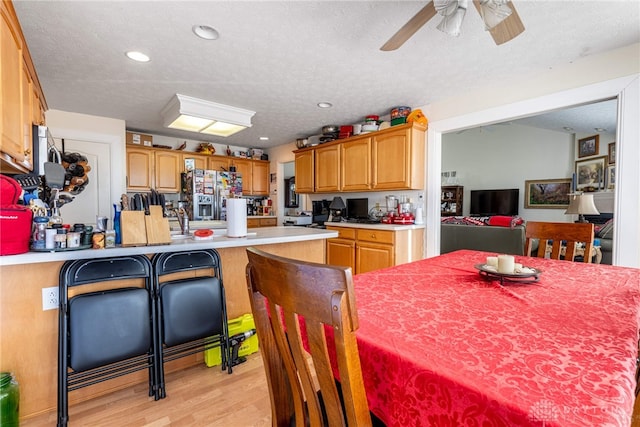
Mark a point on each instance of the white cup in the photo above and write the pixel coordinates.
(50, 238)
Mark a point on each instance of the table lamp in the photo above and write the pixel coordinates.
(337, 206)
(581, 204)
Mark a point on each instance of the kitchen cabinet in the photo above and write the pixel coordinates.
(139, 169)
(218, 163)
(355, 167)
(304, 171)
(199, 162)
(327, 168)
(260, 170)
(371, 248)
(398, 159)
(21, 100)
(243, 167)
(451, 200)
(167, 171)
(390, 159)
(261, 222)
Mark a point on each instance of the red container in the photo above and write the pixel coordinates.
(15, 220)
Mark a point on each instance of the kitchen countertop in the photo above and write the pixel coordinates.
(379, 226)
(261, 236)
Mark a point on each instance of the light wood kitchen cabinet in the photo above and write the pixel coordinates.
(367, 249)
(261, 222)
(390, 159)
(355, 165)
(139, 169)
(304, 171)
(398, 159)
(243, 167)
(167, 171)
(260, 182)
(199, 162)
(327, 168)
(218, 163)
(21, 98)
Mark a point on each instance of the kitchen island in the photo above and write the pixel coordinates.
(28, 336)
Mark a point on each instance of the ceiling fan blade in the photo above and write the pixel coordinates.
(508, 29)
(409, 29)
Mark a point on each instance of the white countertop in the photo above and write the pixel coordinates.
(262, 236)
(380, 226)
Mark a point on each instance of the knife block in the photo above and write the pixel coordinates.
(133, 228)
(157, 226)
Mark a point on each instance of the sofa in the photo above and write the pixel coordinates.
(497, 239)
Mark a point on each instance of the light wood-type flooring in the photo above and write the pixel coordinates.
(196, 396)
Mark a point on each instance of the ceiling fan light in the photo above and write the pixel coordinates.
(494, 12)
(452, 23)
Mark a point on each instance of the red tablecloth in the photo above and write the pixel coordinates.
(442, 346)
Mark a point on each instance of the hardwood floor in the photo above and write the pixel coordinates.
(197, 396)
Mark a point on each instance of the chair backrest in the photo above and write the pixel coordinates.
(321, 295)
(559, 233)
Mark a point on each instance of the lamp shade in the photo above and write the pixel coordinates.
(582, 204)
(337, 203)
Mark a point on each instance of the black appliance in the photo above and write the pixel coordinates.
(320, 211)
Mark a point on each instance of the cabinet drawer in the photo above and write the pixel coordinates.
(253, 223)
(344, 233)
(268, 222)
(378, 236)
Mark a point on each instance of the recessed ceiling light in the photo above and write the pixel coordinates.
(325, 105)
(137, 56)
(205, 32)
(264, 138)
(600, 129)
(568, 129)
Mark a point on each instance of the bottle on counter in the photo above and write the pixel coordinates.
(40, 224)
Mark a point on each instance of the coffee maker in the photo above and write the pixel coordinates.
(250, 207)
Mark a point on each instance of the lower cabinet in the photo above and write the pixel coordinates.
(261, 222)
(367, 249)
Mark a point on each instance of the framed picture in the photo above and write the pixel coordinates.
(590, 173)
(611, 177)
(547, 193)
(588, 146)
(612, 153)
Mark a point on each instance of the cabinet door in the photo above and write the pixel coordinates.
(327, 174)
(391, 160)
(355, 165)
(27, 114)
(304, 172)
(243, 167)
(218, 163)
(167, 171)
(139, 169)
(373, 256)
(199, 162)
(341, 252)
(11, 142)
(260, 177)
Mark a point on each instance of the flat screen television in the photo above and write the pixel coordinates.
(494, 202)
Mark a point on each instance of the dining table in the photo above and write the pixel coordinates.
(442, 344)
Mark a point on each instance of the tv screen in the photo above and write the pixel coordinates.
(494, 202)
(358, 208)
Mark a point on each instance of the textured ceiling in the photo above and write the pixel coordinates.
(280, 58)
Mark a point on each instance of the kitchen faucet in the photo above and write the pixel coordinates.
(183, 220)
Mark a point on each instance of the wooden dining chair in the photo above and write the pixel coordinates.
(322, 295)
(557, 233)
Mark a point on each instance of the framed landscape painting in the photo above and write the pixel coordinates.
(590, 173)
(547, 193)
(588, 146)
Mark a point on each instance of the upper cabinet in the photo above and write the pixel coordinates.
(21, 100)
(391, 159)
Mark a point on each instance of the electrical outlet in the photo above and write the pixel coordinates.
(50, 298)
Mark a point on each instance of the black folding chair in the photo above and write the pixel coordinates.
(191, 311)
(107, 333)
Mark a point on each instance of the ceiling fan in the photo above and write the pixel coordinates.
(499, 16)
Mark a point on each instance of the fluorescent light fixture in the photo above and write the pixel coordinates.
(197, 115)
(205, 32)
(325, 105)
(264, 138)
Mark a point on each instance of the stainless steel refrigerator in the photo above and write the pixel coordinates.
(206, 193)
